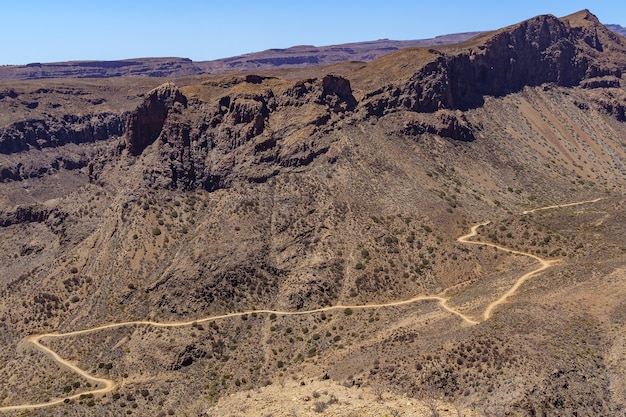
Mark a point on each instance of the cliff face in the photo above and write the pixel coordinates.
(541, 50)
(250, 132)
(248, 129)
(292, 191)
(55, 124)
(41, 133)
(145, 123)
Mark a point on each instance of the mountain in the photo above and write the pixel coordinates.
(294, 57)
(355, 238)
(620, 30)
(305, 56)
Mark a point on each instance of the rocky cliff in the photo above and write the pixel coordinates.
(349, 186)
(248, 130)
(209, 144)
(41, 133)
(541, 50)
(145, 123)
(55, 125)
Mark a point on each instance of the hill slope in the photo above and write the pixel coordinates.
(326, 187)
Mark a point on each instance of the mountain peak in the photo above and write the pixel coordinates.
(582, 18)
(543, 49)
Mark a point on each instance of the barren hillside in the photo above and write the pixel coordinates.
(228, 243)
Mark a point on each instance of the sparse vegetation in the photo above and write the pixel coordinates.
(226, 258)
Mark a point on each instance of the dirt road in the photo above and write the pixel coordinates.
(103, 386)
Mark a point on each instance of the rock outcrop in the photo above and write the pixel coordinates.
(31, 214)
(144, 124)
(208, 145)
(48, 133)
(337, 94)
(446, 123)
(541, 50)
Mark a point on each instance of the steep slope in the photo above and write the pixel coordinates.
(541, 50)
(262, 192)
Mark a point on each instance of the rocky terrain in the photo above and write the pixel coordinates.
(286, 242)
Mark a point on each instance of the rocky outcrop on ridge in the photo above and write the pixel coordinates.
(205, 144)
(145, 123)
(41, 133)
(445, 123)
(541, 50)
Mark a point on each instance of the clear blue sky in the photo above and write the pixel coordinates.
(61, 30)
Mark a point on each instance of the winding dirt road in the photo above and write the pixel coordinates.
(543, 264)
(561, 205)
(103, 386)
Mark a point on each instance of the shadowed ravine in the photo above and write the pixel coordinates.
(103, 386)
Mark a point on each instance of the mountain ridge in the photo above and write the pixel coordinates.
(293, 57)
(238, 195)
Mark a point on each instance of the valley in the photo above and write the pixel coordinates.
(439, 231)
(109, 385)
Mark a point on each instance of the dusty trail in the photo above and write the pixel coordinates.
(561, 205)
(103, 386)
(543, 264)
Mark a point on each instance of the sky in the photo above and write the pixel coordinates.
(58, 30)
